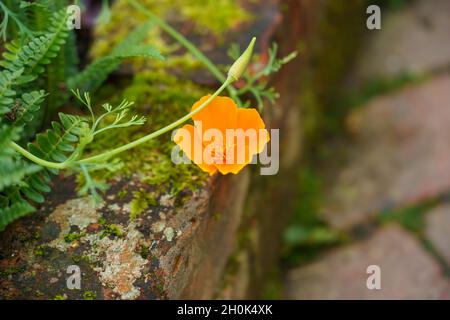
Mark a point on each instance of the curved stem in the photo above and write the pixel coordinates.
(189, 46)
(135, 143)
(159, 132)
(42, 162)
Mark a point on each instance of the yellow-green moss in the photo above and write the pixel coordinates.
(9, 271)
(205, 17)
(89, 295)
(163, 99)
(111, 230)
(73, 236)
(41, 251)
(141, 201)
(161, 90)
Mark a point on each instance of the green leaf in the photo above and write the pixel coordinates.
(97, 72)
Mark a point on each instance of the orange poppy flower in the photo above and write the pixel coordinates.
(223, 138)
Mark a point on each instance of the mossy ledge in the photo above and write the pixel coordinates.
(187, 226)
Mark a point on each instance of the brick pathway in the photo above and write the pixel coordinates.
(438, 230)
(398, 157)
(407, 271)
(407, 42)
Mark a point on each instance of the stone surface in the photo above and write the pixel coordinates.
(399, 156)
(138, 261)
(407, 271)
(438, 230)
(413, 39)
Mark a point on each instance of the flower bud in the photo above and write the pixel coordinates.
(239, 66)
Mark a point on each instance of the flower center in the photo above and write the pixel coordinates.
(219, 152)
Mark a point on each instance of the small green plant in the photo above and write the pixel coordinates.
(256, 83)
(73, 236)
(89, 295)
(141, 200)
(111, 230)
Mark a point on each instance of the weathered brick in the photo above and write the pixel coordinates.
(413, 40)
(407, 271)
(399, 155)
(438, 230)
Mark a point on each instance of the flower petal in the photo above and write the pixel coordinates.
(250, 119)
(187, 140)
(237, 164)
(219, 114)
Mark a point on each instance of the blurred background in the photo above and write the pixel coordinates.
(375, 177)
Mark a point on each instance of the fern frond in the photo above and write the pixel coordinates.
(30, 103)
(37, 15)
(12, 170)
(136, 37)
(7, 80)
(13, 212)
(8, 14)
(24, 63)
(97, 72)
(53, 145)
(12, 173)
(38, 51)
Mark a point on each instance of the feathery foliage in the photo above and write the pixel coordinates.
(34, 71)
(257, 83)
(13, 170)
(97, 72)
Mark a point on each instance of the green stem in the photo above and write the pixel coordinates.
(159, 132)
(189, 46)
(42, 162)
(105, 155)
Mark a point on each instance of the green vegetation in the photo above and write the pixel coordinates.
(40, 75)
(411, 218)
(141, 201)
(34, 66)
(111, 230)
(42, 251)
(326, 104)
(307, 234)
(73, 236)
(89, 295)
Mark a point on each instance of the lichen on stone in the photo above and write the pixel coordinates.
(74, 213)
(120, 261)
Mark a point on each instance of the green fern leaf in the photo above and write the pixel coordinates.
(13, 171)
(26, 183)
(97, 72)
(29, 104)
(7, 94)
(40, 50)
(10, 213)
